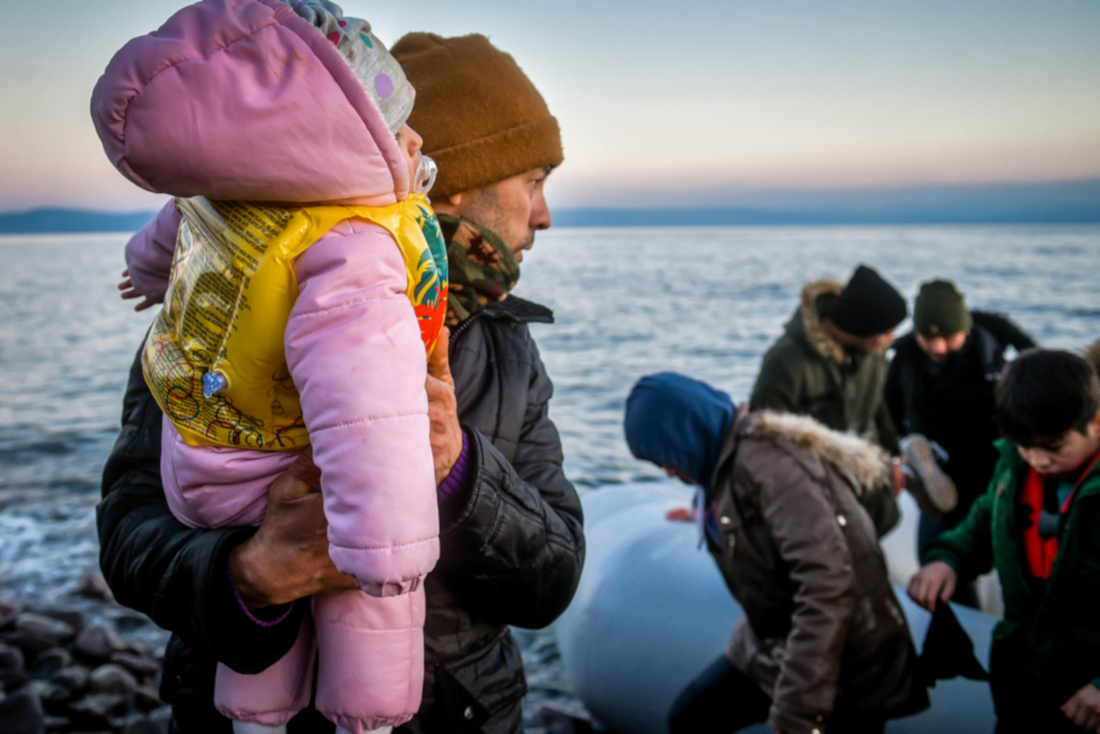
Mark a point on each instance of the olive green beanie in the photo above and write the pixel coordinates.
(481, 118)
(940, 309)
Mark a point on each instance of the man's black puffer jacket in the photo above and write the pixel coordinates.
(512, 556)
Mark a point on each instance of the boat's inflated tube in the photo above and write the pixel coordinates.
(652, 612)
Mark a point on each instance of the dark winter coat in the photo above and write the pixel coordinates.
(953, 404)
(1050, 634)
(512, 556)
(808, 373)
(800, 510)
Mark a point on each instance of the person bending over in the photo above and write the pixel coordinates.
(792, 514)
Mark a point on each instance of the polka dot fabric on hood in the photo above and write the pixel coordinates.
(379, 73)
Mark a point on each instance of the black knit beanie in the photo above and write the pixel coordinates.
(868, 305)
(940, 309)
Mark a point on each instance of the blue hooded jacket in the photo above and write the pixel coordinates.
(673, 420)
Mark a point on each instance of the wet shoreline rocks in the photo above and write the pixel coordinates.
(83, 664)
(78, 668)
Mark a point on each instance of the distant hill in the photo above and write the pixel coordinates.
(1060, 202)
(45, 221)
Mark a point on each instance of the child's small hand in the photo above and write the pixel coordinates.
(1084, 708)
(933, 583)
(128, 292)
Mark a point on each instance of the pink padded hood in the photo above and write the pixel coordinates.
(244, 100)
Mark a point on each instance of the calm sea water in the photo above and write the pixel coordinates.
(706, 302)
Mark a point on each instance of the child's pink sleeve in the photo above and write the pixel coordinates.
(355, 353)
(149, 253)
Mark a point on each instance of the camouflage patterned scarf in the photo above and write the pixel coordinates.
(481, 267)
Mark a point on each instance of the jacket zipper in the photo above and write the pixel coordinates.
(461, 328)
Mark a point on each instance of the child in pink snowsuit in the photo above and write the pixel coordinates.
(243, 101)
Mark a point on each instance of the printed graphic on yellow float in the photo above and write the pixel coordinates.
(214, 359)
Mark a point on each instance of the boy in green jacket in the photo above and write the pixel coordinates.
(1039, 526)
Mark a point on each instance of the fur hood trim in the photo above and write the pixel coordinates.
(864, 464)
(819, 339)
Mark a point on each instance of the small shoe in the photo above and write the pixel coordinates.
(933, 490)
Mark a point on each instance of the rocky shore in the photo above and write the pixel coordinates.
(79, 667)
(86, 665)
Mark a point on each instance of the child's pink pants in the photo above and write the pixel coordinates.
(369, 650)
(355, 639)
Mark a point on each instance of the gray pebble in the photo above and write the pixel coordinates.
(49, 662)
(43, 626)
(71, 617)
(136, 647)
(93, 586)
(136, 664)
(11, 658)
(30, 643)
(95, 711)
(112, 678)
(99, 643)
(75, 678)
(7, 615)
(140, 724)
(128, 621)
(146, 698)
(52, 695)
(162, 717)
(22, 713)
(12, 667)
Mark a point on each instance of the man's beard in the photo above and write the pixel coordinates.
(527, 243)
(488, 212)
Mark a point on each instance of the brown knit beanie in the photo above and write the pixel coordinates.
(481, 118)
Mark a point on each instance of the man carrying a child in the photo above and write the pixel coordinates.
(512, 544)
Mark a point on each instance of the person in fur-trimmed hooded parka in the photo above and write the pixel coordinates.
(830, 363)
(792, 513)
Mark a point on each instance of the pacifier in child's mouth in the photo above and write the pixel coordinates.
(425, 175)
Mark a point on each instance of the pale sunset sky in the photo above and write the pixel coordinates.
(663, 103)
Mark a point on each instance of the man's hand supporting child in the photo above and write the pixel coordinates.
(287, 558)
